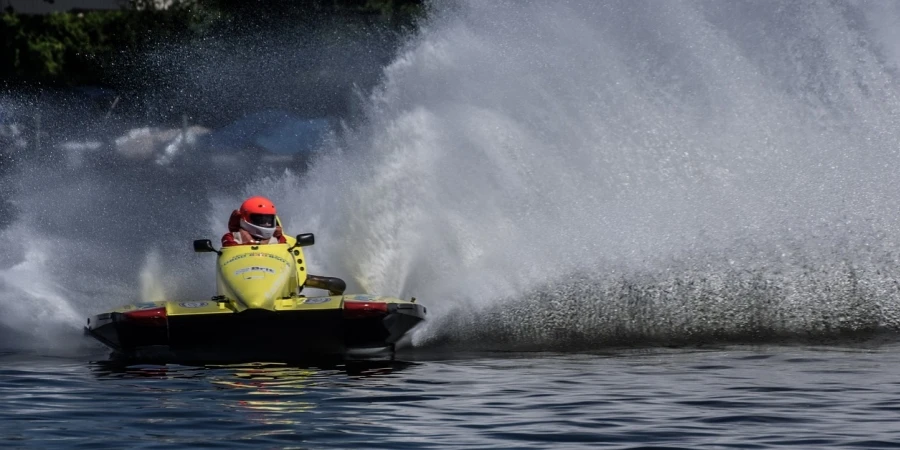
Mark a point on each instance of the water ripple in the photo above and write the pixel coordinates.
(729, 398)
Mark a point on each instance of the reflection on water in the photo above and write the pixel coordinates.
(268, 388)
(285, 387)
(731, 396)
(276, 373)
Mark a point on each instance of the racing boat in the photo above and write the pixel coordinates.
(260, 314)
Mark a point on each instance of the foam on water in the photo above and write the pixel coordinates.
(31, 299)
(83, 242)
(549, 175)
(552, 175)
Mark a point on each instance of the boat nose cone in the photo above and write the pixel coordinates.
(256, 301)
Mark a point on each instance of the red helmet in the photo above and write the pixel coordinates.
(258, 217)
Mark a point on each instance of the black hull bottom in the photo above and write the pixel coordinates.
(255, 335)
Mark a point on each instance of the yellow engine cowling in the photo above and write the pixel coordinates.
(256, 276)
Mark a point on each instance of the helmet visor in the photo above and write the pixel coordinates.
(263, 220)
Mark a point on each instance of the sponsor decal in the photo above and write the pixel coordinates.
(261, 255)
(268, 255)
(147, 306)
(316, 300)
(193, 304)
(254, 269)
(278, 258)
(361, 298)
(234, 259)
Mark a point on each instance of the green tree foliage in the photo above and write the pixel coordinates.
(287, 8)
(101, 47)
(81, 48)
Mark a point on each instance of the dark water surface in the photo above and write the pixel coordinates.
(845, 396)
